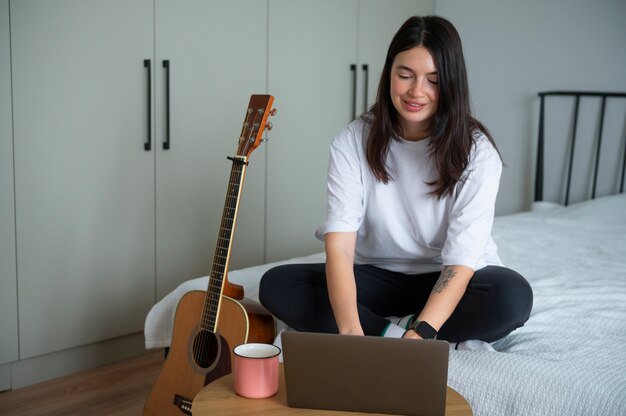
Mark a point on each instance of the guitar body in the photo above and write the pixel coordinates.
(186, 372)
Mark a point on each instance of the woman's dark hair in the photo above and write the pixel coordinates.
(453, 128)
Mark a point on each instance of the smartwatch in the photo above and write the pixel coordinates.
(423, 329)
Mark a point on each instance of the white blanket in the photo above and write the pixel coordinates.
(160, 320)
(570, 357)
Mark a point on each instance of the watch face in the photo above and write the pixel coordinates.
(425, 330)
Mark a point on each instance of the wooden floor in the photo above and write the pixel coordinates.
(118, 389)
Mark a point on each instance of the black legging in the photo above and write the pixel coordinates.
(497, 300)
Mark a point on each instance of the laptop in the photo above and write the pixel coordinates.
(365, 374)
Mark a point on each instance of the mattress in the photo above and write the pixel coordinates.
(569, 358)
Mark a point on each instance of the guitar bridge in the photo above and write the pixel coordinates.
(183, 403)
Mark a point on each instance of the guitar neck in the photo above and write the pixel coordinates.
(255, 122)
(224, 241)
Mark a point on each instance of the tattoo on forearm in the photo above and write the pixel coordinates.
(446, 275)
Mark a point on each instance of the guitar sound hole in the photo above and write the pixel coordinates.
(205, 348)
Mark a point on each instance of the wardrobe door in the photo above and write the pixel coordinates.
(8, 290)
(312, 57)
(378, 23)
(215, 54)
(84, 170)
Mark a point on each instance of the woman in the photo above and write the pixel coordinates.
(411, 188)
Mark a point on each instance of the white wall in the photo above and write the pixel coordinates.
(514, 49)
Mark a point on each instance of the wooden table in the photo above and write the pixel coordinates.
(220, 399)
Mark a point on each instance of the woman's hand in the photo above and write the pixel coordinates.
(410, 334)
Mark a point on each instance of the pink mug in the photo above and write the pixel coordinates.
(255, 371)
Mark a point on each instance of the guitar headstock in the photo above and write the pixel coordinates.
(255, 123)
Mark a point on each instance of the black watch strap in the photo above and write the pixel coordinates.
(423, 329)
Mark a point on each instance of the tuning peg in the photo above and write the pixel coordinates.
(269, 125)
(273, 112)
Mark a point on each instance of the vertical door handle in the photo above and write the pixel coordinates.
(366, 72)
(353, 69)
(166, 143)
(148, 143)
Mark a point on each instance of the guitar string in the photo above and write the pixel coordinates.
(226, 231)
(207, 324)
(201, 349)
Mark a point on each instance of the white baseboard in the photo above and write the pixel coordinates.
(46, 367)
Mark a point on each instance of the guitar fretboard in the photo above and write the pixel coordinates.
(223, 245)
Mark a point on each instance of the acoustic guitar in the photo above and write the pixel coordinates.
(208, 325)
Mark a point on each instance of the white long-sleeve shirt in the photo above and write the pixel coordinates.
(400, 227)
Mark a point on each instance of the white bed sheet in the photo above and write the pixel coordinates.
(569, 358)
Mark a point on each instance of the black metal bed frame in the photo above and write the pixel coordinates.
(540, 143)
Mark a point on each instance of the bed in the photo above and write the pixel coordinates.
(570, 357)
